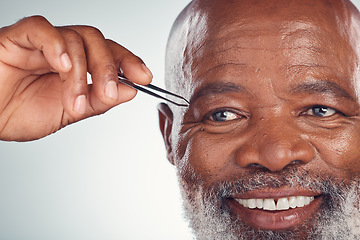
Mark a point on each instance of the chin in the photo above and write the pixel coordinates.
(214, 213)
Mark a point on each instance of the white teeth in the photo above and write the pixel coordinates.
(269, 204)
(280, 204)
(300, 201)
(251, 203)
(246, 203)
(259, 203)
(292, 202)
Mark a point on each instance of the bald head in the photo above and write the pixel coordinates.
(274, 114)
(205, 28)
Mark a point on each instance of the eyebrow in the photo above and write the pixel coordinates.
(315, 87)
(321, 87)
(217, 88)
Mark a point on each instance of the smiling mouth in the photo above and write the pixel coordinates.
(281, 212)
(270, 204)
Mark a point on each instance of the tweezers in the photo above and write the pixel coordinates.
(181, 103)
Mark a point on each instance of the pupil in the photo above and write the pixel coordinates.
(321, 111)
(220, 116)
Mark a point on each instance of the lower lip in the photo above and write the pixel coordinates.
(275, 220)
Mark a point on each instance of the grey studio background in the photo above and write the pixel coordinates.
(106, 177)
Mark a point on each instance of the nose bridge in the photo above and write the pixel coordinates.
(275, 127)
(275, 142)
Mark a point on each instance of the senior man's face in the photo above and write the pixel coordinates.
(270, 144)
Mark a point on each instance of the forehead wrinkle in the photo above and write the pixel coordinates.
(298, 28)
(219, 66)
(321, 87)
(302, 40)
(216, 88)
(302, 67)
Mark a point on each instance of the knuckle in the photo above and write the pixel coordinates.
(105, 70)
(81, 82)
(71, 36)
(93, 31)
(110, 69)
(32, 23)
(109, 73)
(35, 20)
(110, 42)
(79, 59)
(75, 82)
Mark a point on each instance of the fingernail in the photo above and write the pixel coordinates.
(80, 104)
(147, 70)
(111, 90)
(65, 61)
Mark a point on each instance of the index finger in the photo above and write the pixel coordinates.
(132, 66)
(34, 33)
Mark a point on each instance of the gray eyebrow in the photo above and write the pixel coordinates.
(216, 88)
(322, 86)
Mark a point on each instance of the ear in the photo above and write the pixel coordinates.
(165, 122)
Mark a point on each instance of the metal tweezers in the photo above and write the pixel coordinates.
(184, 103)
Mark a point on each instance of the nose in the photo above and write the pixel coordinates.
(274, 144)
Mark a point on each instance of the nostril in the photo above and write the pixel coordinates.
(255, 165)
(258, 166)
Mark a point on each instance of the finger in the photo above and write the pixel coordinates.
(132, 66)
(75, 89)
(101, 65)
(97, 107)
(35, 33)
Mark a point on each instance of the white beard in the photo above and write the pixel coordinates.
(210, 218)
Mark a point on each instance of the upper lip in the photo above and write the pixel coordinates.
(276, 193)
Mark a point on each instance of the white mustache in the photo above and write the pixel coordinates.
(315, 182)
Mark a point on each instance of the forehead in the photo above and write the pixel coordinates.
(274, 46)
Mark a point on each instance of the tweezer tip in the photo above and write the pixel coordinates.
(127, 82)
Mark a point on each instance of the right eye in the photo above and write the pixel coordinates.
(223, 116)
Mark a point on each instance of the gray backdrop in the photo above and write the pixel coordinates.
(106, 177)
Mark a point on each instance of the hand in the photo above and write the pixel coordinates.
(43, 77)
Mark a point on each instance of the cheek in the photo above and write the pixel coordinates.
(340, 151)
(208, 155)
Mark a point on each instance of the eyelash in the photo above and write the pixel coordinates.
(210, 116)
(322, 107)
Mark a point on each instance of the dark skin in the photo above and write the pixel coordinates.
(270, 90)
(43, 77)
